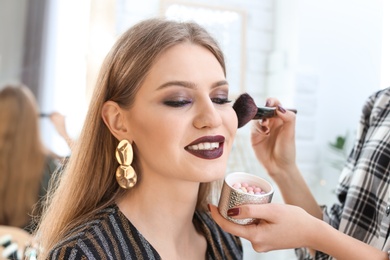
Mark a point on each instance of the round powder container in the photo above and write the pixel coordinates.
(232, 195)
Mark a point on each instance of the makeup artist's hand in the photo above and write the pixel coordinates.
(273, 140)
(280, 226)
(283, 226)
(58, 120)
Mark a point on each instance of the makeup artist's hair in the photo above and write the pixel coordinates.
(22, 155)
(88, 183)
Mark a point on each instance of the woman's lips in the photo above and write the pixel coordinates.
(207, 147)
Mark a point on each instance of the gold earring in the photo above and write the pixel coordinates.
(125, 174)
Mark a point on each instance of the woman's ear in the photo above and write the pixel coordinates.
(113, 117)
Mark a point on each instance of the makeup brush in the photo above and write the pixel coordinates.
(247, 110)
(44, 115)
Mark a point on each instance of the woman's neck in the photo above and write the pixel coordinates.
(162, 211)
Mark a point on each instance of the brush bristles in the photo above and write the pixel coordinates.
(245, 108)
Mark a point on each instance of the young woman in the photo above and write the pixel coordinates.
(156, 139)
(26, 166)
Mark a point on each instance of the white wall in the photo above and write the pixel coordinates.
(64, 83)
(385, 65)
(340, 41)
(328, 61)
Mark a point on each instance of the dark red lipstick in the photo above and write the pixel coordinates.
(207, 147)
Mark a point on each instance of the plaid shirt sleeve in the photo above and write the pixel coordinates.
(363, 191)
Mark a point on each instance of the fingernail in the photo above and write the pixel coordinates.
(281, 109)
(233, 212)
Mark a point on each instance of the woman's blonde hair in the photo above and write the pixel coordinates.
(22, 155)
(88, 183)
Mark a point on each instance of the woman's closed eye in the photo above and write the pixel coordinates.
(177, 103)
(220, 101)
(182, 103)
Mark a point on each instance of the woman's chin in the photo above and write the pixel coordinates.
(213, 176)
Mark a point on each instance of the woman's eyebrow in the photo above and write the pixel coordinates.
(220, 83)
(188, 84)
(185, 84)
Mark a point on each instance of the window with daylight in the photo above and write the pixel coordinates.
(226, 25)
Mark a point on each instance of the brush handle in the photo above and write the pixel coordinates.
(44, 115)
(268, 112)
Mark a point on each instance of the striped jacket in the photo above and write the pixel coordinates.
(110, 235)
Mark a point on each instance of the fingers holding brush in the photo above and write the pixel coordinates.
(284, 119)
(273, 139)
(261, 126)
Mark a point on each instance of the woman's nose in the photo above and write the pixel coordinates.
(207, 115)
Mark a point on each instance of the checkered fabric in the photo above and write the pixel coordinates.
(363, 211)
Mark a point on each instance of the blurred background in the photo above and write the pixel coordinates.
(323, 57)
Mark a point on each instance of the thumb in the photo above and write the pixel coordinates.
(259, 211)
(226, 225)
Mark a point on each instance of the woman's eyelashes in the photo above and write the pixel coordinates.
(177, 103)
(220, 101)
(182, 103)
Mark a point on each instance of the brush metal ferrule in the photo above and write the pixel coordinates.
(268, 112)
(265, 112)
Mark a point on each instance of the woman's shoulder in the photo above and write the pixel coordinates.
(221, 243)
(91, 238)
(108, 235)
(208, 223)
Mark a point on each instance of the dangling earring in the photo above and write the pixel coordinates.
(125, 174)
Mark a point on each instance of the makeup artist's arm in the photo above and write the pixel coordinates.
(288, 227)
(273, 141)
(58, 120)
